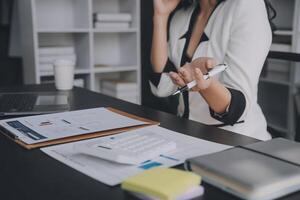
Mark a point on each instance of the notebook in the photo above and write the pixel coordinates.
(264, 170)
(162, 183)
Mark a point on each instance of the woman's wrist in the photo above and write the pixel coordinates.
(160, 19)
(207, 89)
(216, 90)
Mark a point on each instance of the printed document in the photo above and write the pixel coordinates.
(112, 173)
(35, 129)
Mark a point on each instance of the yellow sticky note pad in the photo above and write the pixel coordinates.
(163, 183)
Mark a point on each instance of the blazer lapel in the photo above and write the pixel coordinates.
(181, 40)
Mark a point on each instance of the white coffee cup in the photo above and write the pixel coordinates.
(64, 74)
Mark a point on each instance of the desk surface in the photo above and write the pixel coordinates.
(31, 174)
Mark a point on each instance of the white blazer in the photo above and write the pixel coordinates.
(239, 34)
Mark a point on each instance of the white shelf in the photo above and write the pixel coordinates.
(115, 49)
(56, 23)
(276, 78)
(284, 32)
(116, 30)
(63, 30)
(281, 47)
(61, 14)
(277, 90)
(77, 72)
(108, 69)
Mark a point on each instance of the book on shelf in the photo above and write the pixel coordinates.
(113, 17)
(56, 50)
(111, 25)
(49, 59)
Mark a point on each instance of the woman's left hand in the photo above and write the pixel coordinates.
(194, 71)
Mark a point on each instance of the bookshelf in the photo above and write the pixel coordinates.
(279, 83)
(101, 53)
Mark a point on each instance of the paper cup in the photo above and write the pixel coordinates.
(64, 74)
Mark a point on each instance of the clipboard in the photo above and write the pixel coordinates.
(83, 136)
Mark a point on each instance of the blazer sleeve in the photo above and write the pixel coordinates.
(247, 49)
(160, 83)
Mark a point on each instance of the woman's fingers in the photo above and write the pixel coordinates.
(210, 63)
(202, 84)
(204, 64)
(177, 80)
(186, 73)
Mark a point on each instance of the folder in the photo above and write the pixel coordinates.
(259, 171)
(85, 136)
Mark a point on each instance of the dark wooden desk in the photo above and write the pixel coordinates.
(31, 174)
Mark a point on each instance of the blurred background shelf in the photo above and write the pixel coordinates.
(116, 30)
(71, 23)
(280, 78)
(108, 69)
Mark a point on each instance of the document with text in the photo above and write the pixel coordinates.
(42, 128)
(112, 173)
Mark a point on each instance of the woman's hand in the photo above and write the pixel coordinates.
(165, 7)
(194, 71)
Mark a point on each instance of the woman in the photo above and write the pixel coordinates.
(190, 37)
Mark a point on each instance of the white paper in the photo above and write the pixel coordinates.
(112, 173)
(42, 128)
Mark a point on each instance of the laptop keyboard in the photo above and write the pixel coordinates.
(19, 102)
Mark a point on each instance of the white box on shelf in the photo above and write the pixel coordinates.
(112, 17)
(111, 25)
(51, 58)
(57, 50)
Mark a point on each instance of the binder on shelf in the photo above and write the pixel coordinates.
(85, 133)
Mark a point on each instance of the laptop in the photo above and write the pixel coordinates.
(33, 103)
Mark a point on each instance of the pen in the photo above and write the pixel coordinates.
(214, 71)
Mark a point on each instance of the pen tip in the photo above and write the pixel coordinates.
(175, 93)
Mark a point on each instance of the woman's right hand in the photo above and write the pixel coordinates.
(165, 7)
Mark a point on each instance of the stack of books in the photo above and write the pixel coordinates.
(112, 20)
(124, 90)
(47, 56)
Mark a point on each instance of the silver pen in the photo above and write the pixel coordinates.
(214, 71)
